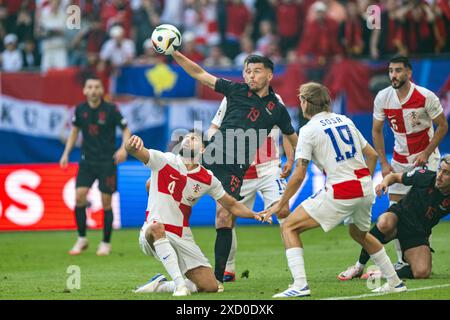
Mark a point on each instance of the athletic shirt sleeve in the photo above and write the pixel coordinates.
(119, 120)
(216, 190)
(419, 178)
(218, 118)
(433, 105)
(225, 87)
(304, 145)
(76, 121)
(285, 122)
(157, 160)
(378, 112)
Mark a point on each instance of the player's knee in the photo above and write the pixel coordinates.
(208, 287)
(156, 231)
(223, 219)
(80, 199)
(421, 273)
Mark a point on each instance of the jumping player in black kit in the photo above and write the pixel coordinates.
(412, 218)
(251, 105)
(97, 120)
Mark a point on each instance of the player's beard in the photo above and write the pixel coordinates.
(400, 83)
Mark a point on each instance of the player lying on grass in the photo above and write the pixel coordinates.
(178, 182)
(411, 219)
(337, 147)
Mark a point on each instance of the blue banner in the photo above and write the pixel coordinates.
(160, 80)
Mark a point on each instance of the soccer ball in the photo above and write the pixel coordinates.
(166, 39)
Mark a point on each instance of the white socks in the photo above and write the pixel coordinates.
(359, 265)
(383, 262)
(297, 266)
(169, 259)
(231, 262)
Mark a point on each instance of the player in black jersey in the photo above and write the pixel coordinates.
(97, 120)
(411, 219)
(252, 111)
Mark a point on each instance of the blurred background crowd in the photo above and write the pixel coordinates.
(218, 33)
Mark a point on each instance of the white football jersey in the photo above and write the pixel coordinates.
(335, 145)
(174, 190)
(410, 119)
(267, 159)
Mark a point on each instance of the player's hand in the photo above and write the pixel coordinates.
(266, 215)
(287, 169)
(381, 189)
(134, 144)
(120, 156)
(422, 159)
(386, 169)
(63, 161)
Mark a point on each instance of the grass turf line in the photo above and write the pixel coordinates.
(33, 265)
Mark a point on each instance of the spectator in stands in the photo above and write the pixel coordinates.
(117, 51)
(388, 39)
(319, 42)
(11, 57)
(267, 37)
(442, 10)
(335, 11)
(51, 27)
(3, 29)
(31, 59)
(351, 31)
(263, 10)
(94, 39)
(145, 19)
(189, 47)
(290, 18)
(173, 12)
(24, 26)
(117, 12)
(247, 48)
(238, 23)
(150, 56)
(216, 58)
(420, 37)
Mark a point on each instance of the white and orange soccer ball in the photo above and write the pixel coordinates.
(166, 38)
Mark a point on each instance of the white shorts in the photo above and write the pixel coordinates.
(329, 212)
(271, 189)
(398, 188)
(189, 254)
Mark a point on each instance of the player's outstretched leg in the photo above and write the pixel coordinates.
(380, 258)
(294, 224)
(230, 268)
(222, 246)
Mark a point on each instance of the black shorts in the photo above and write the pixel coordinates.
(231, 177)
(105, 172)
(408, 236)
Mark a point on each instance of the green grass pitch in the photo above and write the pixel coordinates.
(33, 265)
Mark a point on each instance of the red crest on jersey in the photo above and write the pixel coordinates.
(270, 105)
(101, 116)
(445, 203)
(85, 115)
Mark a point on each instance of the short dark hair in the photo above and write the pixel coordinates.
(254, 58)
(401, 59)
(90, 77)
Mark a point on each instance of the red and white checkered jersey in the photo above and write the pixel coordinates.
(410, 119)
(335, 145)
(174, 190)
(267, 159)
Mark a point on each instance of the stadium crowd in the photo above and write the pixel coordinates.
(221, 33)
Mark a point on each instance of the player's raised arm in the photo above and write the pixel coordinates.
(194, 70)
(135, 147)
(235, 207)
